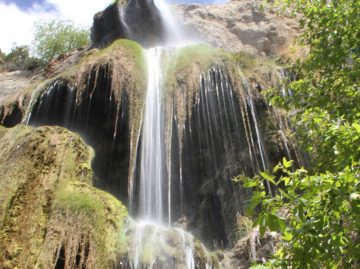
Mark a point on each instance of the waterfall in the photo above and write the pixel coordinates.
(174, 34)
(152, 147)
(156, 243)
(153, 234)
(181, 163)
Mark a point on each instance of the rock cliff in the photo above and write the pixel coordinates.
(217, 125)
(240, 25)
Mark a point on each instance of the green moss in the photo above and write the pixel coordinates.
(263, 70)
(47, 200)
(76, 199)
(246, 60)
(202, 55)
(128, 47)
(184, 66)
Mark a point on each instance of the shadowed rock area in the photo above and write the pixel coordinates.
(138, 20)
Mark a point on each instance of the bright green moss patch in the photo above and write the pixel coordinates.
(81, 199)
(128, 47)
(246, 60)
(202, 55)
(77, 199)
(184, 66)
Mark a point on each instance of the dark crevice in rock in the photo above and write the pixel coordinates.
(60, 262)
(96, 114)
(225, 135)
(9, 117)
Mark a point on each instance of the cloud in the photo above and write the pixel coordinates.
(79, 11)
(17, 24)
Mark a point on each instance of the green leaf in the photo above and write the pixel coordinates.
(262, 221)
(255, 200)
(268, 177)
(275, 223)
(287, 164)
(287, 236)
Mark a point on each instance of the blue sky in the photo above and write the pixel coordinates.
(25, 4)
(21, 15)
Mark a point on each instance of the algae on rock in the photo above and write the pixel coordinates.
(49, 212)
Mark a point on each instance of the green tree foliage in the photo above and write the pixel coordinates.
(53, 38)
(2, 57)
(317, 215)
(19, 59)
(18, 55)
(326, 94)
(317, 211)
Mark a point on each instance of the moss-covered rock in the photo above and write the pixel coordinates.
(50, 215)
(98, 93)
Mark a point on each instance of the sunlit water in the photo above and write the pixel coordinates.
(156, 244)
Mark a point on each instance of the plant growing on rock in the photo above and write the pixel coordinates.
(317, 215)
(317, 211)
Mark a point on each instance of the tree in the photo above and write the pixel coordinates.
(53, 38)
(326, 94)
(317, 215)
(19, 59)
(2, 57)
(322, 226)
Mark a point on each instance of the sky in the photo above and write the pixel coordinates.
(17, 17)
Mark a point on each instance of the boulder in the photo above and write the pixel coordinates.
(138, 20)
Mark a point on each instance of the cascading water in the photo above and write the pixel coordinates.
(153, 234)
(152, 164)
(156, 243)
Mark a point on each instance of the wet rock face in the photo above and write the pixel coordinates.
(107, 27)
(98, 99)
(138, 20)
(92, 111)
(212, 116)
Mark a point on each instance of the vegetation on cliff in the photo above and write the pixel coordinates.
(318, 211)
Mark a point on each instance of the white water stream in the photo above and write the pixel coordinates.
(152, 163)
(153, 235)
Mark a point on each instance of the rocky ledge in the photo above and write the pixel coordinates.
(240, 25)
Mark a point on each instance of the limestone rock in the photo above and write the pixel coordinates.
(50, 215)
(240, 25)
(12, 82)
